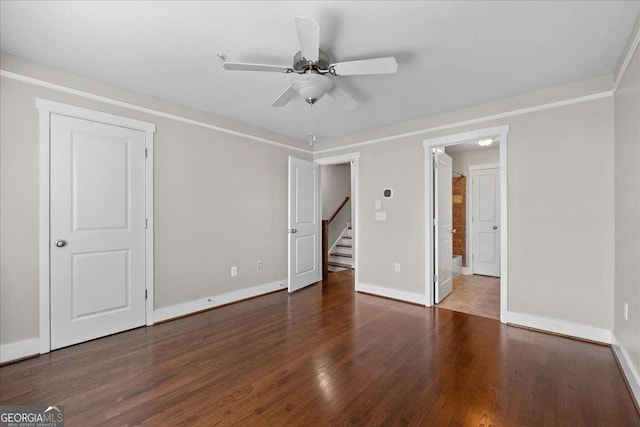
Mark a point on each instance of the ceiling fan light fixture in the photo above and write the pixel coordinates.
(311, 87)
(485, 142)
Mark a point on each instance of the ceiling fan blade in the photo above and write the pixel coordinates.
(387, 65)
(255, 67)
(343, 98)
(284, 97)
(309, 36)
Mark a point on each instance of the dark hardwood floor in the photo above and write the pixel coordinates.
(327, 356)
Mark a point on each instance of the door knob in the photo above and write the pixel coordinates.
(293, 230)
(60, 243)
(495, 227)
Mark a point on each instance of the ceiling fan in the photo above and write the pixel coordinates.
(311, 66)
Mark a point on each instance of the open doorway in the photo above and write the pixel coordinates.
(338, 194)
(466, 196)
(337, 216)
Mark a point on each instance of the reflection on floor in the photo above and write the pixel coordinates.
(473, 294)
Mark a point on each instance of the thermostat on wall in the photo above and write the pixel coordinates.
(388, 193)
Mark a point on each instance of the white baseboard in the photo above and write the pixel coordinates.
(20, 349)
(166, 313)
(466, 271)
(563, 327)
(391, 293)
(628, 368)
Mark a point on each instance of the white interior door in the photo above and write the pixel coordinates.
(486, 220)
(97, 230)
(304, 224)
(443, 226)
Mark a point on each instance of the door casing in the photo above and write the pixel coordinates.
(500, 132)
(46, 108)
(354, 159)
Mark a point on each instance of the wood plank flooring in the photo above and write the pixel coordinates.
(327, 356)
(474, 294)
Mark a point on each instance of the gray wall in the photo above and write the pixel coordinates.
(627, 202)
(335, 185)
(220, 200)
(560, 205)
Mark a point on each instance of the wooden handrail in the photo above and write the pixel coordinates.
(335, 214)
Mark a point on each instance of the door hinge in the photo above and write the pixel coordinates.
(146, 294)
(435, 278)
(435, 163)
(146, 223)
(146, 152)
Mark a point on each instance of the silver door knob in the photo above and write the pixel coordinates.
(60, 243)
(293, 230)
(495, 227)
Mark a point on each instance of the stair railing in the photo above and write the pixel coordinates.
(325, 238)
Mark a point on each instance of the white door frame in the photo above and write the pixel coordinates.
(470, 224)
(500, 132)
(46, 108)
(354, 159)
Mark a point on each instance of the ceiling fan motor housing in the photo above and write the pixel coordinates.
(302, 64)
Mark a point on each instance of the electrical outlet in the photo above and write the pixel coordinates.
(259, 264)
(397, 267)
(234, 271)
(626, 312)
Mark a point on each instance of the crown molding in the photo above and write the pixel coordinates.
(88, 95)
(627, 59)
(482, 119)
(66, 89)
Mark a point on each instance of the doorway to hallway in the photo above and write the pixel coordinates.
(466, 230)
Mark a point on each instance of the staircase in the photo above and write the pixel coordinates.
(341, 257)
(338, 257)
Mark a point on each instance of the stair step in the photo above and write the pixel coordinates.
(341, 254)
(339, 264)
(344, 246)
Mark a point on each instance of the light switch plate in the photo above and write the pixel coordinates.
(381, 216)
(377, 204)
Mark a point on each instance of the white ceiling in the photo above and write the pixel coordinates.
(450, 54)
